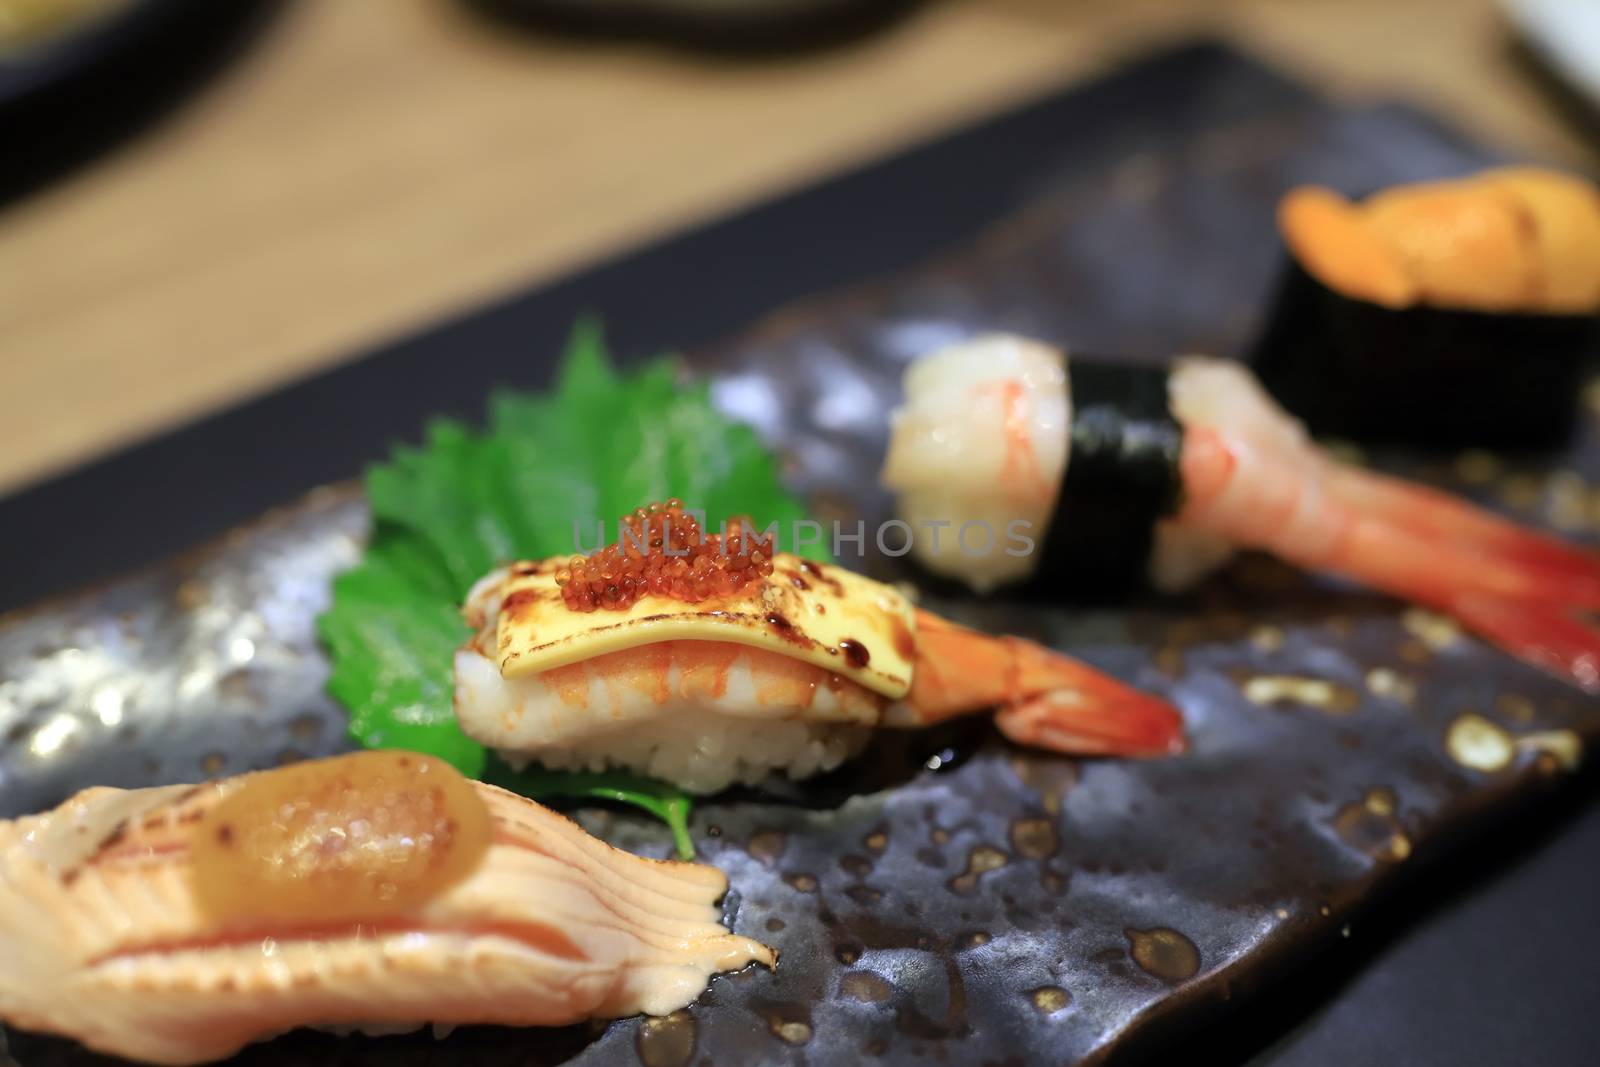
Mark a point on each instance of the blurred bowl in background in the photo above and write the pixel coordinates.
(717, 25)
(26, 25)
(79, 76)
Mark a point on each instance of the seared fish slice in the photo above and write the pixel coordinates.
(177, 924)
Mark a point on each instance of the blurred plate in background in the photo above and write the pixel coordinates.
(719, 25)
(1566, 34)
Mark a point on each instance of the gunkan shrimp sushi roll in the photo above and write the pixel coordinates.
(1108, 473)
(710, 659)
(1447, 313)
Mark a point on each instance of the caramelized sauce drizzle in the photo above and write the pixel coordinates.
(855, 653)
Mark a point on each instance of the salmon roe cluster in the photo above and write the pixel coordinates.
(662, 551)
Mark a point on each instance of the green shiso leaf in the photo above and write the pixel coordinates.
(547, 469)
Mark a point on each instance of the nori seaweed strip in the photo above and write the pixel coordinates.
(1430, 376)
(1122, 477)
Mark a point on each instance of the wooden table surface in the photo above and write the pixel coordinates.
(374, 164)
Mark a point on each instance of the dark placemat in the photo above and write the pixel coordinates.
(1013, 907)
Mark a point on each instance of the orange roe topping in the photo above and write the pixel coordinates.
(663, 552)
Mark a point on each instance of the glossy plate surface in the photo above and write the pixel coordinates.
(1009, 906)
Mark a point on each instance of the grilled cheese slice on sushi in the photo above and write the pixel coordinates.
(716, 673)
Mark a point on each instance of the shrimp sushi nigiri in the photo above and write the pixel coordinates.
(676, 656)
(378, 890)
(1129, 473)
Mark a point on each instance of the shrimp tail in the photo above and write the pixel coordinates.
(1111, 721)
(1460, 525)
(1519, 589)
(1043, 699)
(1539, 634)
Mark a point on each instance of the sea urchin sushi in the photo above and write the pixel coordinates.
(1449, 313)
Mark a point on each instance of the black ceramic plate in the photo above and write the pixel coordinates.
(1012, 907)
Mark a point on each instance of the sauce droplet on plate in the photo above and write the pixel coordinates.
(1164, 953)
(1050, 999)
(667, 1041)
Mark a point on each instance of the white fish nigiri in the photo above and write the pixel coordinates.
(175, 925)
